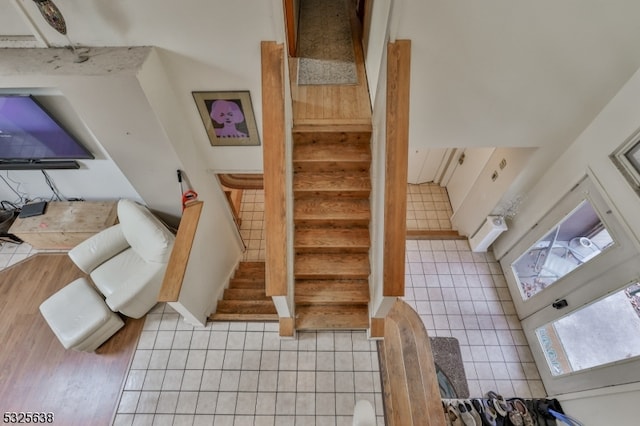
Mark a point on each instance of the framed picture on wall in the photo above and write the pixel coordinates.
(228, 118)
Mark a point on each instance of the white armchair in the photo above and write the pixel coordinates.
(127, 261)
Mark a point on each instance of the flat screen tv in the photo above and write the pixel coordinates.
(30, 138)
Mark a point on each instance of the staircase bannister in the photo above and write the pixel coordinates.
(396, 163)
(274, 158)
(177, 266)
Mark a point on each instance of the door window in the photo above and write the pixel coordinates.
(598, 334)
(577, 239)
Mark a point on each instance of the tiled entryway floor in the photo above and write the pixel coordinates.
(428, 208)
(252, 226)
(244, 374)
(462, 294)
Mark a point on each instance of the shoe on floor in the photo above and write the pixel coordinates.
(466, 416)
(454, 416)
(471, 409)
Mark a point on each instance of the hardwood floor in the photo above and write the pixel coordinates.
(334, 105)
(36, 373)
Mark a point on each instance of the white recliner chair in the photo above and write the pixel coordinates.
(127, 261)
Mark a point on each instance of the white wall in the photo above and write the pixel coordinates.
(590, 151)
(207, 45)
(217, 247)
(88, 182)
(378, 37)
(378, 304)
(617, 407)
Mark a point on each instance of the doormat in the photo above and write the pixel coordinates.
(449, 366)
(325, 44)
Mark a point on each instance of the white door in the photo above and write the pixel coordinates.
(574, 280)
(579, 239)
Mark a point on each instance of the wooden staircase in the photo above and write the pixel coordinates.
(331, 187)
(245, 299)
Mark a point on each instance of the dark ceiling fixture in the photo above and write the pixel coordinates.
(52, 15)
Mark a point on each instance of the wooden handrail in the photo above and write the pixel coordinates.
(396, 163)
(273, 136)
(173, 277)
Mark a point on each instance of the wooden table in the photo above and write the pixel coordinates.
(65, 224)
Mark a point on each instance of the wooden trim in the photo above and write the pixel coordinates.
(290, 26)
(241, 180)
(287, 327)
(396, 165)
(273, 135)
(174, 276)
(377, 328)
(415, 234)
(409, 380)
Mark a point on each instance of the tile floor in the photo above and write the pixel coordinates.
(252, 226)
(428, 208)
(244, 374)
(464, 295)
(11, 253)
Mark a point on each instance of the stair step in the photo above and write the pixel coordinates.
(330, 166)
(243, 317)
(331, 291)
(332, 151)
(249, 307)
(247, 283)
(346, 184)
(331, 211)
(331, 265)
(245, 294)
(345, 239)
(250, 270)
(335, 316)
(343, 134)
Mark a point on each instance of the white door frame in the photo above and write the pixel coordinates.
(616, 373)
(622, 250)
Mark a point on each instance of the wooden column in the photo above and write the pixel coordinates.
(273, 139)
(396, 164)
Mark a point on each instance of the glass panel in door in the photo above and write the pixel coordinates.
(578, 238)
(600, 333)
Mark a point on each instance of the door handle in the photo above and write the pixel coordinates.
(559, 304)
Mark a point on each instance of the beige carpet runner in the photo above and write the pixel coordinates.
(325, 43)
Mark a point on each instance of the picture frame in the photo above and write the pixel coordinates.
(228, 118)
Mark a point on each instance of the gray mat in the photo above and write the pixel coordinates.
(325, 45)
(447, 356)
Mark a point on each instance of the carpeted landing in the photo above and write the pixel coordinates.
(325, 43)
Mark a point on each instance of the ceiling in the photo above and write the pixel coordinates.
(490, 73)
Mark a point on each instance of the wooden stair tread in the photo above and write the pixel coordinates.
(336, 316)
(331, 238)
(331, 291)
(359, 182)
(332, 209)
(332, 265)
(247, 283)
(257, 293)
(243, 317)
(309, 130)
(332, 151)
(349, 183)
(246, 306)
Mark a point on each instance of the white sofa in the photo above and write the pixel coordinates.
(127, 261)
